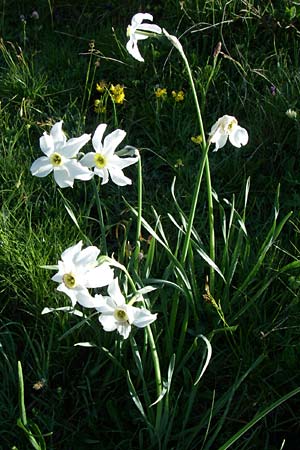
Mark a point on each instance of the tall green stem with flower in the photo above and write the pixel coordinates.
(204, 163)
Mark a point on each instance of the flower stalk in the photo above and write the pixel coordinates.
(204, 163)
(100, 215)
(139, 215)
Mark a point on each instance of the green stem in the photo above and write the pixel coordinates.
(158, 379)
(21, 395)
(100, 214)
(155, 360)
(139, 215)
(87, 89)
(204, 162)
(211, 225)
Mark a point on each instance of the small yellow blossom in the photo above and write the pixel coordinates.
(99, 107)
(179, 163)
(178, 96)
(101, 86)
(197, 139)
(160, 92)
(118, 93)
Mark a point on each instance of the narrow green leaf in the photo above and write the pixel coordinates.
(135, 397)
(72, 215)
(258, 417)
(208, 357)
(209, 261)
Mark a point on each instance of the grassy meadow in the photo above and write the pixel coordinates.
(204, 244)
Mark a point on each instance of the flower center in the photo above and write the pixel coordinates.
(69, 280)
(56, 159)
(100, 160)
(231, 125)
(120, 315)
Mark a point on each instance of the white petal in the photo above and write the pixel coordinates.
(88, 160)
(105, 304)
(133, 50)
(87, 257)
(63, 178)
(139, 37)
(84, 344)
(41, 167)
(239, 136)
(130, 312)
(219, 139)
(58, 135)
(143, 317)
(84, 298)
(70, 253)
(47, 144)
(62, 269)
(114, 291)
(72, 146)
(98, 135)
(214, 127)
(121, 163)
(102, 173)
(112, 141)
(118, 177)
(138, 18)
(101, 304)
(99, 276)
(69, 292)
(76, 170)
(124, 329)
(108, 322)
(151, 28)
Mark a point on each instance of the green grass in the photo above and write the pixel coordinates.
(100, 397)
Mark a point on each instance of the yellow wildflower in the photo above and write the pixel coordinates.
(118, 93)
(99, 107)
(101, 86)
(197, 139)
(178, 96)
(179, 163)
(160, 92)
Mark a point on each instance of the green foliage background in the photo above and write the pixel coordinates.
(48, 71)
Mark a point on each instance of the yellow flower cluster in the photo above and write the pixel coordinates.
(162, 94)
(197, 139)
(178, 96)
(101, 87)
(118, 94)
(114, 92)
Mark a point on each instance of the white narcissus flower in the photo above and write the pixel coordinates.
(104, 160)
(227, 127)
(78, 270)
(60, 157)
(117, 315)
(138, 31)
(291, 113)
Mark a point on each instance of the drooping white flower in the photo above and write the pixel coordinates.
(78, 270)
(139, 31)
(227, 127)
(116, 314)
(291, 113)
(104, 160)
(60, 157)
